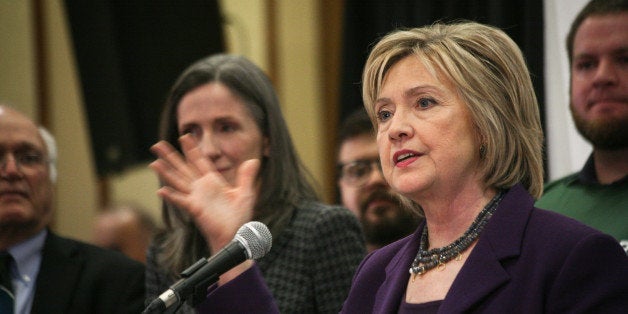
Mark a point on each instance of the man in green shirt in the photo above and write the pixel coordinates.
(597, 46)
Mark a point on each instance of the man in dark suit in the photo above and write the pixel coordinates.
(51, 274)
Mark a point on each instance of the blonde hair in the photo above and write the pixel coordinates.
(490, 75)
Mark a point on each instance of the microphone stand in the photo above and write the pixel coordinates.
(252, 241)
(197, 293)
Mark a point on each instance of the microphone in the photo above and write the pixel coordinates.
(252, 241)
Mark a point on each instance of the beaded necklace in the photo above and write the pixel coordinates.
(426, 260)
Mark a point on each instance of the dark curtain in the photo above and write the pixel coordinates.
(365, 21)
(128, 55)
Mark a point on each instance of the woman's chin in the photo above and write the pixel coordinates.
(411, 189)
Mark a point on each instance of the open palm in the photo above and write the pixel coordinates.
(191, 183)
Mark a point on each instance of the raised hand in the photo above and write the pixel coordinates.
(191, 183)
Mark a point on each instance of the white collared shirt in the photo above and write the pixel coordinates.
(27, 259)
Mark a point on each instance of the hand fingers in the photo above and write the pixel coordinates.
(246, 174)
(173, 197)
(170, 177)
(173, 160)
(194, 155)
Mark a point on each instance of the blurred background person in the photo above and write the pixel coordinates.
(597, 46)
(385, 218)
(239, 165)
(126, 228)
(49, 273)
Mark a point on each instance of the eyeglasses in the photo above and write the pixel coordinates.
(358, 172)
(24, 160)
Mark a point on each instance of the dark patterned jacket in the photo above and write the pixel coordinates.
(310, 266)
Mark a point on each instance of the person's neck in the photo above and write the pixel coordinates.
(13, 236)
(610, 165)
(7, 241)
(449, 219)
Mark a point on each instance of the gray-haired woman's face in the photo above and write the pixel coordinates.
(223, 127)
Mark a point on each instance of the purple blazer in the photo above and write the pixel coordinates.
(527, 260)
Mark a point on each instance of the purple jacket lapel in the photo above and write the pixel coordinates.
(397, 275)
(483, 271)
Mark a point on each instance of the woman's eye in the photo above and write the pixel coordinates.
(227, 127)
(184, 132)
(425, 103)
(383, 115)
(193, 131)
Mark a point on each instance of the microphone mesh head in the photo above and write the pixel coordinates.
(256, 238)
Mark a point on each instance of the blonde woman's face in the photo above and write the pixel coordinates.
(222, 126)
(426, 140)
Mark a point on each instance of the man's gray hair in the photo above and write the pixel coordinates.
(51, 147)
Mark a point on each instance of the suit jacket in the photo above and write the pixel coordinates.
(76, 277)
(526, 260)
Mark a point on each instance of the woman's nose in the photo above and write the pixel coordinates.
(400, 127)
(209, 146)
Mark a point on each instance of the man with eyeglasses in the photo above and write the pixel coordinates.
(364, 191)
(40, 271)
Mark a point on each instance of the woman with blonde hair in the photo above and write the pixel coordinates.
(459, 134)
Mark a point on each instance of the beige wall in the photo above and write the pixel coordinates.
(298, 79)
(16, 55)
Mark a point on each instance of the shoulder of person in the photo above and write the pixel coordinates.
(563, 233)
(317, 209)
(317, 215)
(581, 265)
(559, 182)
(326, 222)
(94, 255)
(557, 223)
